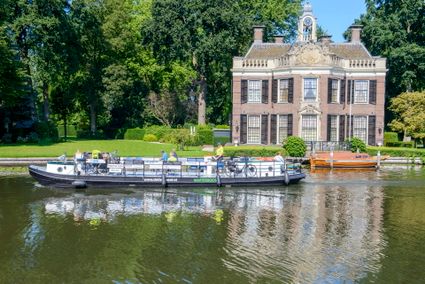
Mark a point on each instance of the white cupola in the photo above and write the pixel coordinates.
(307, 26)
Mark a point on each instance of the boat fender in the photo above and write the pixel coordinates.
(164, 180)
(218, 180)
(286, 178)
(79, 184)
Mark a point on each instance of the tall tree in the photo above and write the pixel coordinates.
(207, 34)
(409, 114)
(396, 30)
(39, 26)
(88, 16)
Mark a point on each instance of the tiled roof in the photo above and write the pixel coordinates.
(349, 50)
(273, 50)
(268, 50)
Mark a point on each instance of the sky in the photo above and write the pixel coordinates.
(335, 16)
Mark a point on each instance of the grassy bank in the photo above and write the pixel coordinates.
(123, 147)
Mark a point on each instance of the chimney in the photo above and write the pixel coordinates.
(325, 39)
(278, 39)
(258, 34)
(355, 33)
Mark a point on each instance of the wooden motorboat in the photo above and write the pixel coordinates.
(150, 172)
(344, 159)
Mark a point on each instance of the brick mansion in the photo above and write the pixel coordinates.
(312, 88)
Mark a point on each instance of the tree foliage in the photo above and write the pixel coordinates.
(396, 30)
(409, 114)
(114, 64)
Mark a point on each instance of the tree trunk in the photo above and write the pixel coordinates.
(65, 133)
(202, 108)
(93, 119)
(46, 111)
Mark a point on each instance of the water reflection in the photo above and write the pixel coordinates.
(318, 233)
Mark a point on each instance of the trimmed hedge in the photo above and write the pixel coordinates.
(409, 144)
(158, 130)
(222, 126)
(233, 151)
(204, 136)
(150, 138)
(390, 137)
(134, 134)
(222, 140)
(397, 152)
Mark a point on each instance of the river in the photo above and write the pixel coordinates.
(332, 227)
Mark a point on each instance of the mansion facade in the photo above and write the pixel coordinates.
(313, 88)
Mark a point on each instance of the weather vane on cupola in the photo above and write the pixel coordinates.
(307, 24)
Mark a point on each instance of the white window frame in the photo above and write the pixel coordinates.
(250, 138)
(316, 89)
(279, 96)
(254, 93)
(357, 130)
(303, 134)
(280, 137)
(364, 92)
(338, 89)
(336, 128)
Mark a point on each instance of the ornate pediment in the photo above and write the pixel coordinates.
(310, 109)
(311, 54)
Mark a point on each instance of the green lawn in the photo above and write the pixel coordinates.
(124, 147)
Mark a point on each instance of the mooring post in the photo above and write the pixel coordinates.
(379, 159)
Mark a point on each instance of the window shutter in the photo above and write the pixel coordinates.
(291, 90)
(290, 124)
(274, 91)
(265, 92)
(244, 128)
(264, 128)
(329, 91)
(341, 128)
(372, 92)
(351, 126)
(371, 130)
(342, 92)
(350, 91)
(328, 128)
(273, 127)
(244, 91)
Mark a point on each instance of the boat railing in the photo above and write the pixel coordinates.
(192, 167)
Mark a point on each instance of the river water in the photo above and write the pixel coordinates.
(332, 227)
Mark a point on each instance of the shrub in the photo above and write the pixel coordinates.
(150, 138)
(356, 144)
(409, 144)
(251, 152)
(158, 130)
(182, 139)
(205, 136)
(134, 134)
(222, 140)
(294, 146)
(47, 131)
(222, 126)
(390, 137)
